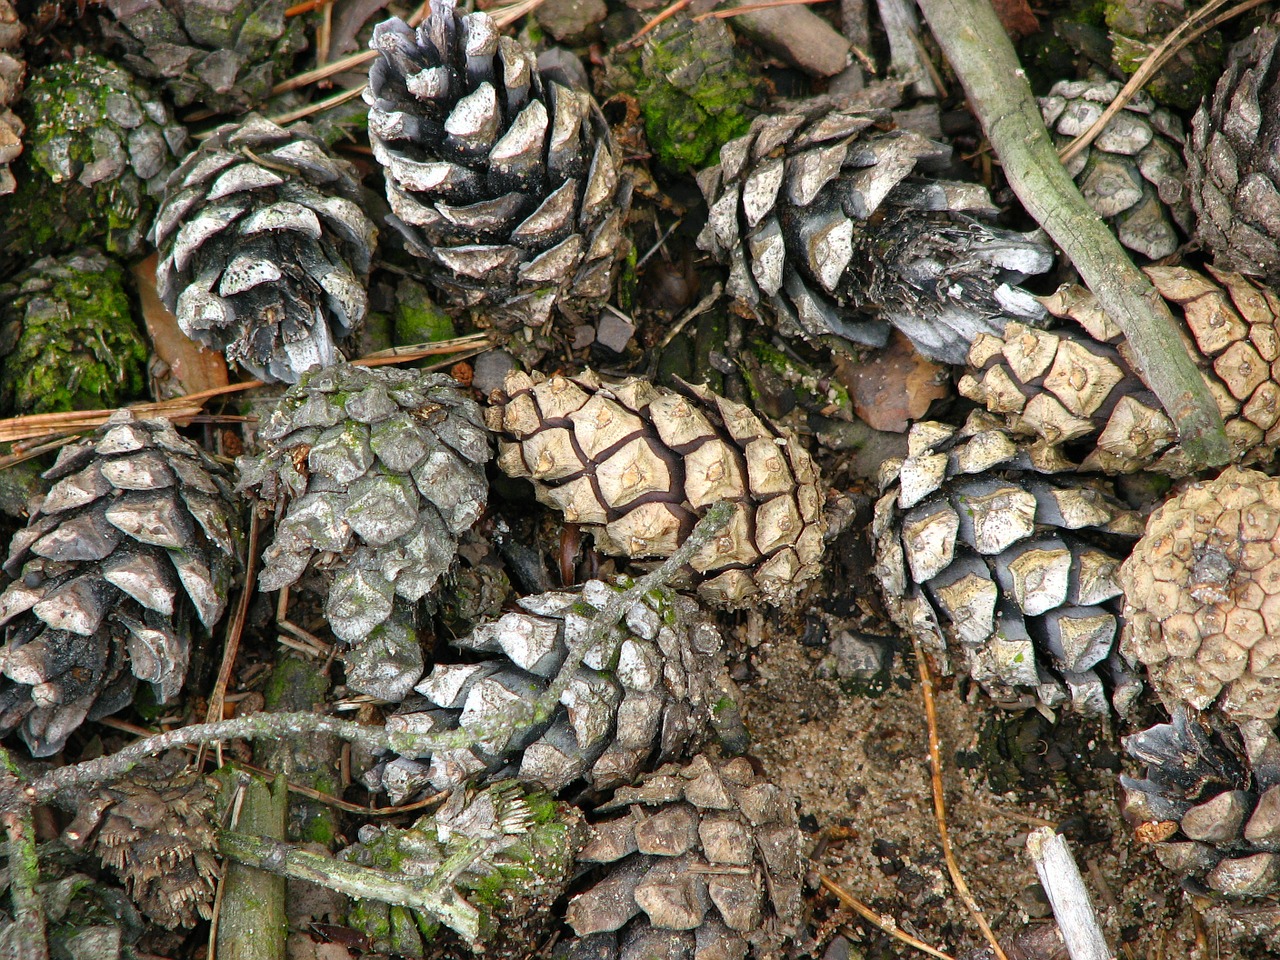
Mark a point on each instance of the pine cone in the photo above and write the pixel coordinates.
(638, 464)
(1199, 609)
(694, 87)
(503, 177)
(87, 919)
(522, 844)
(834, 223)
(220, 56)
(67, 337)
(976, 540)
(1083, 395)
(265, 248)
(655, 689)
(701, 861)
(138, 537)
(1132, 174)
(155, 828)
(1210, 802)
(373, 474)
(12, 69)
(100, 146)
(1231, 167)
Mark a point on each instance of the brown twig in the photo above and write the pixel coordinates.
(753, 7)
(883, 923)
(940, 800)
(231, 647)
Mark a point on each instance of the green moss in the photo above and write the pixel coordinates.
(71, 341)
(417, 319)
(694, 87)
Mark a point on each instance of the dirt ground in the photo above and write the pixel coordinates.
(858, 765)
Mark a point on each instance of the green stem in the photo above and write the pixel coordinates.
(979, 50)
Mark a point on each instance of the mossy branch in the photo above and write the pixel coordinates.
(27, 940)
(434, 895)
(979, 50)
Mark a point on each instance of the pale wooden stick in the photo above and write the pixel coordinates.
(1064, 886)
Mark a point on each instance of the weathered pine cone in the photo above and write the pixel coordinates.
(99, 147)
(88, 919)
(834, 223)
(139, 537)
(654, 689)
(373, 474)
(68, 340)
(1132, 174)
(1202, 596)
(695, 89)
(638, 464)
(12, 69)
(155, 828)
(265, 248)
(501, 176)
(977, 542)
(1232, 177)
(528, 843)
(697, 861)
(1078, 392)
(220, 56)
(1209, 804)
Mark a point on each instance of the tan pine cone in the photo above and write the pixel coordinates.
(1202, 596)
(1079, 392)
(638, 465)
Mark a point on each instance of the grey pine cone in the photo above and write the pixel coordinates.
(222, 56)
(1231, 159)
(977, 542)
(265, 248)
(374, 474)
(502, 176)
(1209, 804)
(837, 226)
(138, 539)
(519, 846)
(639, 464)
(1132, 174)
(696, 861)
(12, 70)
(656, 688)
(155, 827)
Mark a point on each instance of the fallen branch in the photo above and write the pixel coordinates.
(973, 40)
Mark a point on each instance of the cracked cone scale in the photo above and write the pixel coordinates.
(638, 464)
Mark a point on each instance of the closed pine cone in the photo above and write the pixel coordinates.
(638, 465)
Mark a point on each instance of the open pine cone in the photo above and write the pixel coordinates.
(978, 542)
(12, 70)
(374, 474)
(1202, 596)
(834, 222)
(638, 465)
(155, 827)
(655, 689)
(1210, 802)
(265, 248)
(1233, 177)
(139, 537)
(221, 56)
(1079, 393)
(696, 861)
(501, 176)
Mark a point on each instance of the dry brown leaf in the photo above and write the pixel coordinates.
(185, 366)
(1016, 18)
(893, 386)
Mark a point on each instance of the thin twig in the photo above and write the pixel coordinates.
(666, 14)
(231, 646)
(699, 308)
(1063, 885)
(883, 923)
(753, 8)
(337, 100)
(940, 800)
